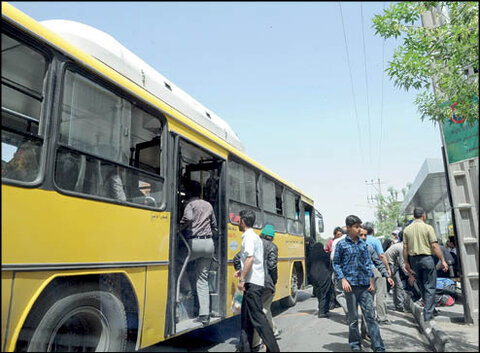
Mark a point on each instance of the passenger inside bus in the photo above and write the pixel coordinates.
(114, 186)
(199, 224)
(25, 162)
(211, 188)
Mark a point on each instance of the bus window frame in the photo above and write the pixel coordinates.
(257, 175)
(258, 191)
(46, 112)
(70, 65)
(282, 199)
(276, 183)
(297, 201)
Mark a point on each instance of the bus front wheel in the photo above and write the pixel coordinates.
(84, 321)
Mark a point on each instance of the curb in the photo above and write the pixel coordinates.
(438, 339)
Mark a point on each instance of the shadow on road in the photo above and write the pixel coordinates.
(277, 308)
(336, 347)
(201, 340)
(303, 295)
(338, 317)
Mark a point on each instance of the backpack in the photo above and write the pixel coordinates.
(446, 286)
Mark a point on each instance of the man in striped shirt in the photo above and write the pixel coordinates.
(352, 266)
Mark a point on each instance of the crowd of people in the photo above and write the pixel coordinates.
(351, 270)
(362, 270)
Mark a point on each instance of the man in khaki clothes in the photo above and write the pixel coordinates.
(419, 242)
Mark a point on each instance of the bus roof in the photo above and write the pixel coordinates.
(108, 50)
(181, 102)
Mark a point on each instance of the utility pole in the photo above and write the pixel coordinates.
(462, 182)
(373, 198)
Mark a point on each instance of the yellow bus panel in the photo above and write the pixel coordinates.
(45, 227)
(155, 305)
(7, 280)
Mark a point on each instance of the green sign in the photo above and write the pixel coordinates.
(461, 140)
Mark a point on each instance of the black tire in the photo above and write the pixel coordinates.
(88, 320)
(291, 300)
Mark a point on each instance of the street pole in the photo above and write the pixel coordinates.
(461, 178)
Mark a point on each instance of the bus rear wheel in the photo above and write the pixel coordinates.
(89, 321)
(291, 300)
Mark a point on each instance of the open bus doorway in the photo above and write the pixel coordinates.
(309, 231)
(314, 226)
(205, 171)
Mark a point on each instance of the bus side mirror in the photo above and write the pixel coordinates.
(319, 222)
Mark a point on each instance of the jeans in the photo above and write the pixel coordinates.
(360, 295)
(399, 295)
(426, 276)
(253, 318)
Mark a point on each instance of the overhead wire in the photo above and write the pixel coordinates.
(366, 84)
(381, 108)
(351, 82)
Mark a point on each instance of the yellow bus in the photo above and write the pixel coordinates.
(96, 149)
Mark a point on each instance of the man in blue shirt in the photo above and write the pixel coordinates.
(379, 280)
(352, 266)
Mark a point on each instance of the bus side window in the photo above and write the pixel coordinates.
(272, 204)
(145, 146)
(307, 224)
(292, 212)
(279, 199)
(24, 72)
(243, 192)
(108, 147)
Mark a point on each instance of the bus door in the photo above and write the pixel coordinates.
(309, 231)
(205, 172)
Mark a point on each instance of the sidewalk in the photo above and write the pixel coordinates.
(449, 333)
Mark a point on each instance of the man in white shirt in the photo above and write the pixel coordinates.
(334, 245)
(251, 280)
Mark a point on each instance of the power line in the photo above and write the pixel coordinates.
(366, 83)
(381, 107)
(351, 82)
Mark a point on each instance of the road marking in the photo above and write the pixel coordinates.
(296, 314)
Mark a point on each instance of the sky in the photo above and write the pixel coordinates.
(279, 74)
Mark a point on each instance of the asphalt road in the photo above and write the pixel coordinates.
(302, 331)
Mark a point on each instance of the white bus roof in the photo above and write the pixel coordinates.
(105, 48)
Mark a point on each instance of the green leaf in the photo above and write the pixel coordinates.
(442, 53)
